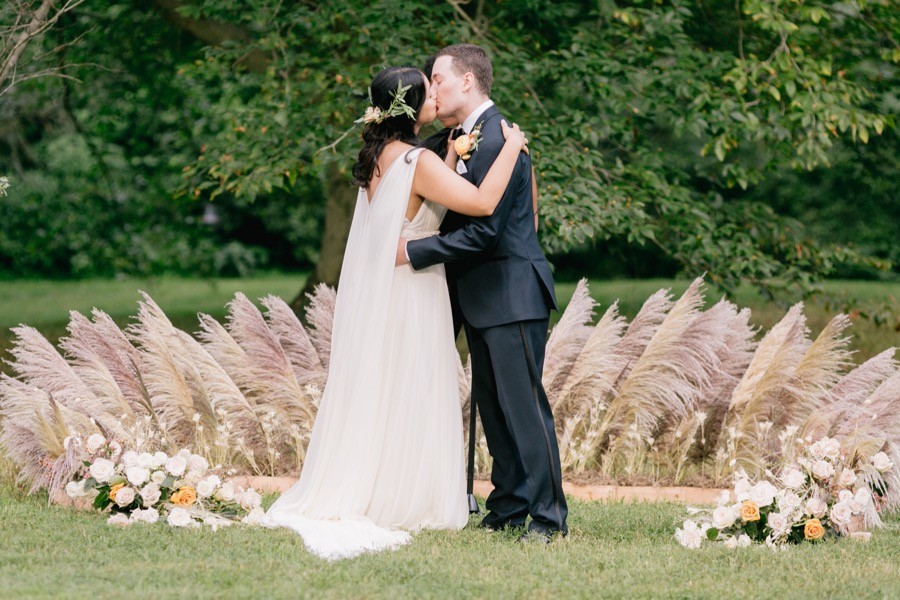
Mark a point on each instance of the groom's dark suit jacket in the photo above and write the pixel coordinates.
(495, 265)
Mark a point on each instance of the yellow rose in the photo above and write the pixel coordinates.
(749, 511)
(463, 144)
(185, 496)
(813, 530)
(115, 490)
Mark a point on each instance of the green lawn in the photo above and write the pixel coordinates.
(614, 550)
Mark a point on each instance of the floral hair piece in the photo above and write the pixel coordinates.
(398, 107)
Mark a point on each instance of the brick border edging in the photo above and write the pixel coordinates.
(688, 495)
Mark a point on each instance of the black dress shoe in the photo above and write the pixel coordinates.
(501, 525)
(534, 536)
(539, 536)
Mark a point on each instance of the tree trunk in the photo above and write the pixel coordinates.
(339, 205)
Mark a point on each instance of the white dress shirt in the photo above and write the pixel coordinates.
(467, 127)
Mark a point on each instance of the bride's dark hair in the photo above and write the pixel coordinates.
(376, 136)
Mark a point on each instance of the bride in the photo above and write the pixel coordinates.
(386, 452)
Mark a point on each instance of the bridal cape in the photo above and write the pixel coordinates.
(386, 452)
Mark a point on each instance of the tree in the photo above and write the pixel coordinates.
(642, 130)
(28, 24)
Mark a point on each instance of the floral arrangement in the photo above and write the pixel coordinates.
(826, 493)
(398, 107)
(467, 143)
(145, 487)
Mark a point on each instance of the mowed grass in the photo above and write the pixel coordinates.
(614, 550)
(46, 304)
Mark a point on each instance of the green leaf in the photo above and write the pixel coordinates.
(712, 533)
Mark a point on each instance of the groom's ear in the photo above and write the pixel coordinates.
(469, 82)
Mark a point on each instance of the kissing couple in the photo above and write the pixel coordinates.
(443, 238)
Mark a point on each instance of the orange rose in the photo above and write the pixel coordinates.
(463, 144)
(813, 530)
(115, 490)
(749, 511)
(185, 496)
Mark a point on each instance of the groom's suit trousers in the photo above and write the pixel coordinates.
(507, 361)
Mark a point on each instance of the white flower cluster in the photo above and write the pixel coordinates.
(143, 487)
(4, 185)
(826, 493)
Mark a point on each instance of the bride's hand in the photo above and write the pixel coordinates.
(512, 133)
(451, 147)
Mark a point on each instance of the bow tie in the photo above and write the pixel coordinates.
(456, 133)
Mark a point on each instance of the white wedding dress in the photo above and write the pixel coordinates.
(386, 453)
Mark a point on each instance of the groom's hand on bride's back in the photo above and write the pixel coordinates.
(402, 257)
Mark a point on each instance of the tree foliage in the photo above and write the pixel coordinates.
(675, 125)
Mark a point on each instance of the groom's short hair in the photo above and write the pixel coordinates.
(469, 58)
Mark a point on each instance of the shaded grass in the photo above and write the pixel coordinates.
(46, 304)
(614, 550)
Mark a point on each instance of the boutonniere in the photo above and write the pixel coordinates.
(465, 145)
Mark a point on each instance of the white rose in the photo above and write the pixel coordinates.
(145, 459)
(817, 450)
(185, 454)
(788, 502)
(742, 489)
(198, 463)
(158, 477)
(763, 493)
(150, 494)
(254, 517)
(116, 448)
(848, 477)
(816, 507)
(119, 519)
(823, 469)
(863, 496)
(841, 513)
(96, 440)
(125, 496)
(744, 541)
(176, 465)
(250, 499)
(793, 478)
(832, 448)
(723, 517)
(192, 478)
(731, 542)
(214, 480)
(159, 459)
(881, 462)
(845, 496)
(130, 458)
(690, 536)
(778, 522)
(226, 492)
(856, 507)
(75, 489)
(102, 469)
(137, 475)
(178, 517)
(205, 488)
(149, 515)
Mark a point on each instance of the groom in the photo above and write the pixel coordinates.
(502, 286)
